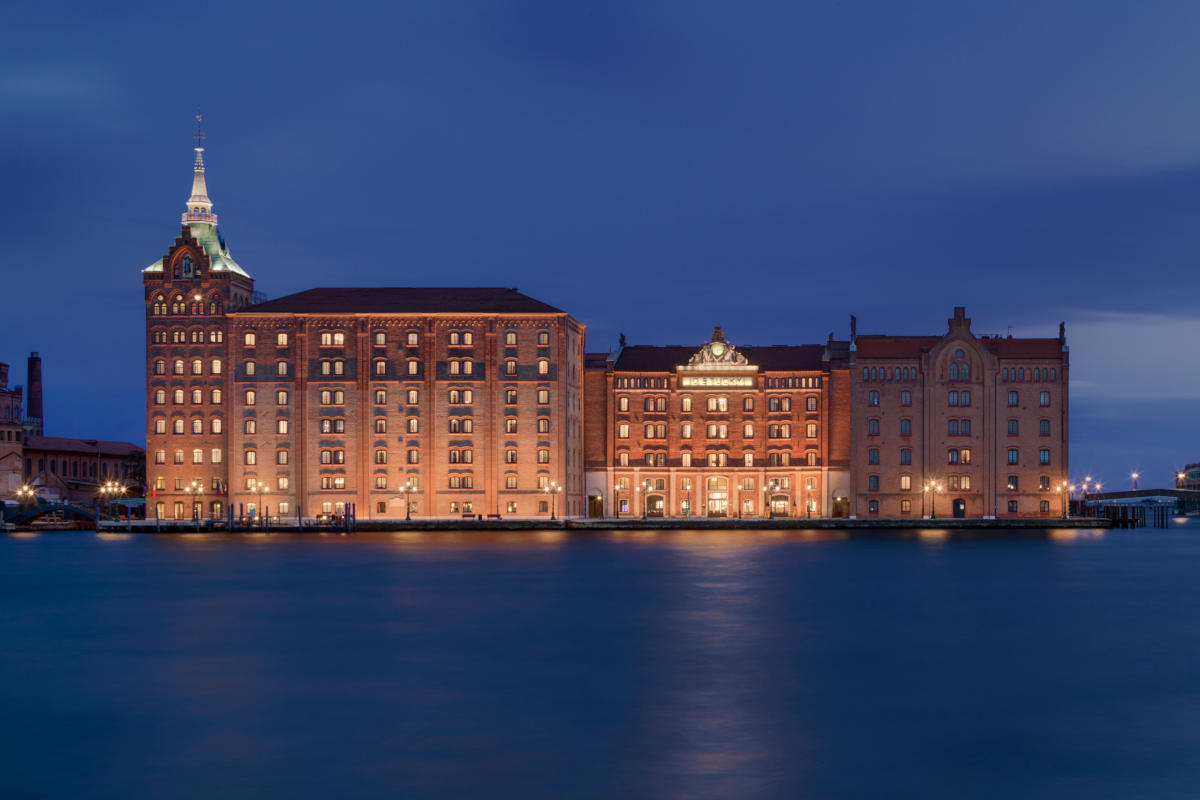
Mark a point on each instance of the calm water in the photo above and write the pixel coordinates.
(676, 665)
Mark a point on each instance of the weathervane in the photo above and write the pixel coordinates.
(199, 134)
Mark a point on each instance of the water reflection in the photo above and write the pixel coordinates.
(550, 664)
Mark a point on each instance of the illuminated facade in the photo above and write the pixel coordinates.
(718, 431)
(390, 402)
(478, 402)
(958, 425)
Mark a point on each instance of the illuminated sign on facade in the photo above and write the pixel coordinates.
(719, 381)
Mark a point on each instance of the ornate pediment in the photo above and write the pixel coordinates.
(718, 353)
(717, 364)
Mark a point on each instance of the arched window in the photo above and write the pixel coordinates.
(179, 397)
(510, 338)
(215, 396)
(160, 397)
(197, 366)
(954, 372)
(197, 396)
(160, 367)
(543, 366)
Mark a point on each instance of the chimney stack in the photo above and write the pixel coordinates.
(34, 407)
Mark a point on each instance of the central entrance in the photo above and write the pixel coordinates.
(595, 506)
(718, 497)
(654, 506)
(780, 506)
(960, 508)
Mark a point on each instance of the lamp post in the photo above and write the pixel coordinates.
(1083, 488)
(1135, 476)
(554, 489)
(195, 488)
(768, 490)
(256, 489)
(642, 489)
(405, 492)
(1179, 478)
(25, 495)
(1064, 493)
(931, 489)
(109, 493)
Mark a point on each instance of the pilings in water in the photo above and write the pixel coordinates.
(1137, 516)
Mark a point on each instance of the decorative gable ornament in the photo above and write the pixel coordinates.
(717, 353)
(717, 365)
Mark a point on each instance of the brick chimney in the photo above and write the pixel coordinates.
(33, 412)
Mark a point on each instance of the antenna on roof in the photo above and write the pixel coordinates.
(199, 134)
(1010, 331)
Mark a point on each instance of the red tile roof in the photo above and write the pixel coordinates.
(60, 444)
(912, 346)
(768, 358)
(404, 300)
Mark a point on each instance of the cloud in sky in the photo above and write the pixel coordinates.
(1119, 356)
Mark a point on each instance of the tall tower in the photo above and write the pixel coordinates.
(187, 294)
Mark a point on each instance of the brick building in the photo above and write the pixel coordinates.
(73, 470)
(481, 401)
(981, 418)
(11, 432)
(718, 431)
(453, 401)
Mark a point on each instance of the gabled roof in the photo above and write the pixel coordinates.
(768, 358)
(404, 300)
(878, 346)
(214, 247)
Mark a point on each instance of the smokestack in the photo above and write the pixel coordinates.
(3, 376)
(34, 407)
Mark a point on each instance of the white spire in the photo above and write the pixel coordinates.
(199, 207)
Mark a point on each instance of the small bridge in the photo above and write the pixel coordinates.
(1185, 499)
(26, 516)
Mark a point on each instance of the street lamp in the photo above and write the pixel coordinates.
(26, 495)
(553, 490)
(195, 487)
(405, 491)
(931, 489)
(643, 489)
(257, 488)
(1179, 476)
(1135, 476)
(109, 492)
(1064, 492)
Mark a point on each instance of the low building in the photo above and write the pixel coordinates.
(73, 470)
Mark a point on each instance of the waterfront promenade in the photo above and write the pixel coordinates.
(625, 523)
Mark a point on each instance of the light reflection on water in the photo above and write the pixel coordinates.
(699, 663)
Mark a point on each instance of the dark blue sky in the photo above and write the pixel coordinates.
(654, 168)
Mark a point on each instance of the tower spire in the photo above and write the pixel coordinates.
(199, 207)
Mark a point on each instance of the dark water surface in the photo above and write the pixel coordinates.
(709, 664)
